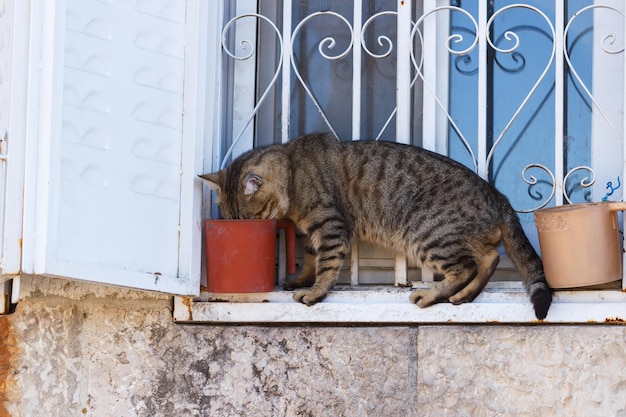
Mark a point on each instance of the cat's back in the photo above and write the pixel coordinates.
(367, 157)
(379, 169)
(385, 180)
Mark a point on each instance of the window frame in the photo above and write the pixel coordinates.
(500, 302)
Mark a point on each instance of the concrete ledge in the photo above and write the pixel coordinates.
(390, 305)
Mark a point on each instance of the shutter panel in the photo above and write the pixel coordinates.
(13, 61)
(115, 193)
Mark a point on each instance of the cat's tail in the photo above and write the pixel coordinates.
(528, 263)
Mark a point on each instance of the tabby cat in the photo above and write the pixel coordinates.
(412, 201)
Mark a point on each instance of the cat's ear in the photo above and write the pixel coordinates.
(214, 180)
(252, 184)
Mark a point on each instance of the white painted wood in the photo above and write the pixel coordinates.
(559, 95)
(402, 271)
(357, 24)
(14, 30)
(403, 73)
(483, 169)
(436, 32)
(43, 110)
(110, 190)
(286, 73)
(15, 289)
(192, 147)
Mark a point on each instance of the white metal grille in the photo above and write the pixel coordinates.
(293, 67)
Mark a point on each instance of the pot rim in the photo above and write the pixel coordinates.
(576, 207)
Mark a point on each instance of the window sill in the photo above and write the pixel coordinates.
(497, 304)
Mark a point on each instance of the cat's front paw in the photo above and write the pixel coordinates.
(309, 297)
(423, 298)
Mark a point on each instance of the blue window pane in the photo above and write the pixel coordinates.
(520, 110)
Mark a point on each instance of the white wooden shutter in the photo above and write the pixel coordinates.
(12, 95)
(112, 194)
(13, 78)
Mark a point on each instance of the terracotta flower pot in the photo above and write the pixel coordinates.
(240, 254)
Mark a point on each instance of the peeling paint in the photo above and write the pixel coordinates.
(187, 301)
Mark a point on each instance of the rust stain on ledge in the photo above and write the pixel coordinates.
(186, 301)
(614, 320)
(8, 349)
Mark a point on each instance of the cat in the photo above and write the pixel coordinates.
(412, 201)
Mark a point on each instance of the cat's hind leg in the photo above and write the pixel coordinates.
(486, 267)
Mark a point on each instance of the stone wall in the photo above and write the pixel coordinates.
(74, 349)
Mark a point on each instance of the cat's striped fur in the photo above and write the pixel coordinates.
(434, 210)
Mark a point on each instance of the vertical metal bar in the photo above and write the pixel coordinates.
(357, 23)
(269, 46)
(245, 76)
(214, 108)
(403, 102)
(482, 89)
(356, 70)
(285, 114)
(403, 77)
(286, 76)
(429, 107)
(559, 97)
(429, 50)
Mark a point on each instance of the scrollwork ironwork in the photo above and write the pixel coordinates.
(328, 42)
(245, 44)
(455, 38)
(586, 182)
(514, 38)
(382, 39)
(608, 39)
(461, 44)
(532, 180)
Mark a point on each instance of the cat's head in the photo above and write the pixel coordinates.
(254, 186)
